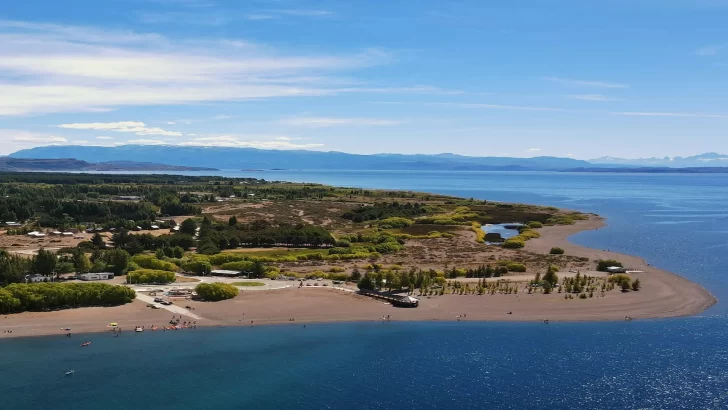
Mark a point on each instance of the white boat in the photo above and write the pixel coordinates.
(138, 329)
(70, 372)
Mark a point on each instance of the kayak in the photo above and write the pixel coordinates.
(84, 344)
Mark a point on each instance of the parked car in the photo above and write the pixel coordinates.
(158, 300)
(166, 302)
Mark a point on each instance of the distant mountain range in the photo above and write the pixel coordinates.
(710, 159)
(70, 164)
(251, 158)
(206, 158)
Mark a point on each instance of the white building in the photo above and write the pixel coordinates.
(96, 276)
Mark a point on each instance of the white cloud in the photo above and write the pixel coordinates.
(592, 97)
(40, 139)
(324, 122)
(171, 123)
(670, 114)
(302, 12)
(104, 138)
(498, 106)
(138, 128)
(600, 84)
(261, 142)
(146, 142)
(51, 68)
(258, 17)
(709, 50)
(534, 149)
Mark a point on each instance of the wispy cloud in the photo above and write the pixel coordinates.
(138, 128)
(599, 84)
(104, 138)
(261, 142)
(709, 50)
(41, 139)
(271, 14)
(534, 149)
(670, 114)
(147, 142)
(592, 97)
(324, 122)
(51, 68)
(498, 106)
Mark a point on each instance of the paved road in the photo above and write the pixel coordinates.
(172, 308)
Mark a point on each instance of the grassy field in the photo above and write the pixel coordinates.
(248, 284)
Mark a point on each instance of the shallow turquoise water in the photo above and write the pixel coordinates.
(677, 222)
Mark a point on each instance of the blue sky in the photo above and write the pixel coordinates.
(626, 78)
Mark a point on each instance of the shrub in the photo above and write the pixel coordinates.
(516, 267)
(242, 266)
(556, 251)
(395, 222)
(602, 265)
(479, 232)
(151, 262)
(150, 276)
(513, 243)
(534, 225)
(222, 258)
(20, 297)
(214, 292)
(198, 267)
(619, 279)
(527, 234)
(636, 285)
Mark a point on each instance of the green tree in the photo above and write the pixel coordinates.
(551, 277)
(355, 275)
(636, 285)
(44, 263)
(366, 283)
(117, 260)
(233, 221)
(188, 227)
(213, 292)
(98, 241)
(626, 286)
(81, 263)
(258, 270)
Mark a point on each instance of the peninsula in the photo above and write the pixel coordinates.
(301, 253)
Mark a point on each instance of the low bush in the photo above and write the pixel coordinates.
(556, 251)
(516, 267)
(513, 243)
(198, 267)
(214, 292)
(151, 262)
(20, 297)
(150, 276)
(395, 222)
(479, 232)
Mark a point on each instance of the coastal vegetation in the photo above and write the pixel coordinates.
(21, 297)
(213, 292)
(150, 276)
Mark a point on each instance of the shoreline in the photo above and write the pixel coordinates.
(663, 295)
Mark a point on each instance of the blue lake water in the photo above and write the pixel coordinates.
(676, 222)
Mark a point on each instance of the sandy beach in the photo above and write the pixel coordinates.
(663, 294)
